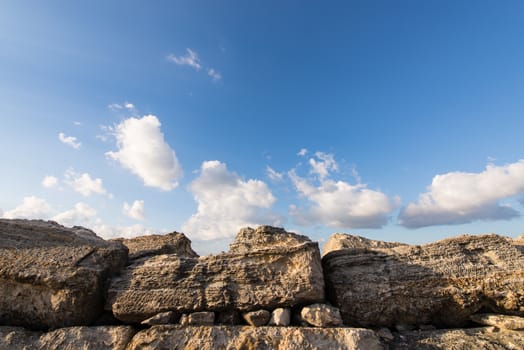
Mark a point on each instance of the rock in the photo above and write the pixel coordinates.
(161, 318)
(52, 276)
(266, 268)
(441, 283)
(221, 337)
(385, 333)
(458, 339)
(201, 318)
(257, 318)
(321, 315)
(280, 317)
(171, 243)
(72, 338)
(499, 321)
(339, 241)
(402, 327)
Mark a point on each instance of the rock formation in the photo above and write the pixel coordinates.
(52, 276)
(171, 243)
(266, 268)
(441, 283)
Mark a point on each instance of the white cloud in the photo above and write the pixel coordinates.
(81, 215)
(69, 140)
(84, 184)
(31, 208)
(118, 106)
(274, 175)
(49, 181)
(77, 123)
(135, 210)
(460, 197)
(324, 163)
(190, 59)
(338, 204)
(302, 152)
(226, 203)
(216, 76)
(129, 105)
(143, 150)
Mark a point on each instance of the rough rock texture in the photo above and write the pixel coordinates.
(339, 241)
(219, 337)
(202, 318)
(73, 338)
(257, 318)
(321, 315)
(52, 276)
(499, 321)
(441, 283)
(280, 317)
(266, 268)
(459, 339)
(171, 243)
(161, 318)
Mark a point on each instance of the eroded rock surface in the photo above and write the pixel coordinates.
(72, 338)
(220, 337)
(459, 339)
(441, 283)
(52, 276)
(171, 243)
(499, 321)
(266, 268)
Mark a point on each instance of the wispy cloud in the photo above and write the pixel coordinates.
(302, 152)
(214, 74)
(274, 175)
(460, 197)
(190, 59)
(69, 140)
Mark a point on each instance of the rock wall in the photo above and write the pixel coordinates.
(271, 290)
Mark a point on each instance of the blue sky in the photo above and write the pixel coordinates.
(131, 117)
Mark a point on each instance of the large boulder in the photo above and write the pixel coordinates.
(52, 276)
(266, 268)
(441, 283)
(221, 337)
(171, 243)
(72, 338)
(459, 339)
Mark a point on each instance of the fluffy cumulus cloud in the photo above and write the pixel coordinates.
(69, 140)
(31, 208)
(81, 214)
(134, 210)
(226, 202)
(143, 150)
(49, 181)
(460, 197)
(84, 184)
(336, 203)
(189, 59)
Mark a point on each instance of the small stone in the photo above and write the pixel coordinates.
(385, 333)
(280, 317)
(257, 318)
(202, 318)
(160, 318)
(499, 321)
(321, 315)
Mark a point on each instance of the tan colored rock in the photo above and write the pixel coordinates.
(441, 283)
(499, 321)
(339, 241)
(72, 338)
(257, 318)
(459, 339)
(52, 276)
(220, 337)
(252, 276)
(321, 315)
(171, 243)
(161, 318)
(201, 318)
(280, 317)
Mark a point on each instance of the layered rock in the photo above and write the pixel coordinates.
(171, 243)
(266, 268)
(73, 338)
(459, 339)
(441, 283)
(52, 276)
(220, 337)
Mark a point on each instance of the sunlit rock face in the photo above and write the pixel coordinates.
(441, 283)
(52, 276)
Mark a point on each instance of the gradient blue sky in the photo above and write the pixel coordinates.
(411, 112)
